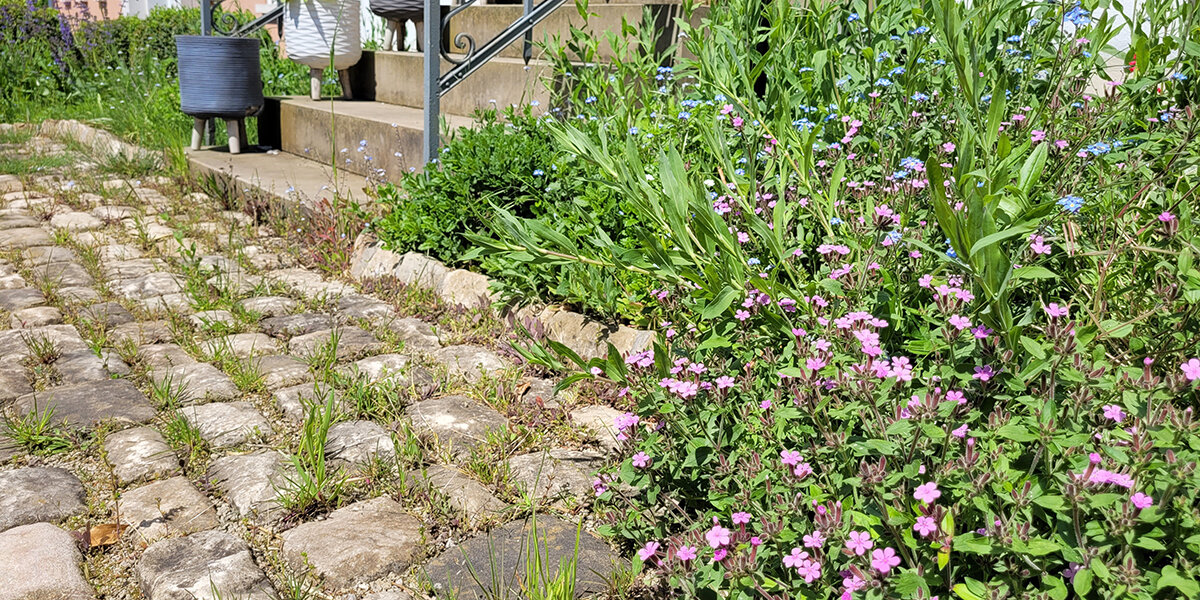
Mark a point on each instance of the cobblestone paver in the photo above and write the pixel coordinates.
(260, 429)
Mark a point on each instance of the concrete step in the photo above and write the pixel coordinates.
(484, 22)
(397, 78)
(278, 177)
(377, 140)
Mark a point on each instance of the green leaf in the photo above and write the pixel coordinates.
(965, 593)
(1016, 433)
(908, 583)
(719, 304)
(973, 543)
(1040, 547)
(1000, 236)
(1115, 329)
(1170, 577)
(1031, 171)
(1034, 272)
(1053, 503)
(1149, 543)
(1058, 590)
(1033, 348)
(1082, 583)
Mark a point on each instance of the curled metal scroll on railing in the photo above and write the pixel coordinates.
(218, 22)
(462, 40)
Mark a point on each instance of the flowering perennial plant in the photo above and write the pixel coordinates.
(934, 318)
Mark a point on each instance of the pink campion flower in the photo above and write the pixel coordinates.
(599, 486)
(1166, 217)
(1114, 412)
(859, 542)
(790, 458)
(1191, 369)
(814, 364)
(737, 121)
(794, 559)
(720, 554)
(883, 560)
(1141, 501)
(814, 540)
(960, 322)
(956, 396)
(743, 237)
(686, 553)
(1061, 144)
(810, 570)
(900, 368)
(948, 147)
(852, 583)
(802, 470)
(724, 382)
(925, 281)
(984, 373)
(641, 460)
(1037, 135)
(1055, 311)
(1038, 244)
(597, 371)
(741, 518)
(717, 536)
(925, 526)
(741, 315)
(927, 492)
(648, 551)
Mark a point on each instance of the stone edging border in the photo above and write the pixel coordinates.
(586, 337)
(370, 260)
(95, 139)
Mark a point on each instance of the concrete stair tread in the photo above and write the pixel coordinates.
(383, 113)
(374, 139)
(276, 174)
(504, 81)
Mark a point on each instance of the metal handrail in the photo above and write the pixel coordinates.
(438, 83)
(228, 25)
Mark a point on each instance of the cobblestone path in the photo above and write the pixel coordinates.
(189, 413)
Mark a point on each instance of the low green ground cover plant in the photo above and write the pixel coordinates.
(927, 295)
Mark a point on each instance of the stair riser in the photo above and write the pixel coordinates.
(306, 132)
(484, 22)
(498, 84)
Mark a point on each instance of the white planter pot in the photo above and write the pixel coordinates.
(315, 29)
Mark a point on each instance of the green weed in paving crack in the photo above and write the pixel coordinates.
(185, 439)
(536, 578)
(43, 351)
(324, 358)
(36, 432)
(316, 486)
(382, 401)
(246, 375)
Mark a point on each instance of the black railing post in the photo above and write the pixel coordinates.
(433, 87)
(205, 17)
(527, 51)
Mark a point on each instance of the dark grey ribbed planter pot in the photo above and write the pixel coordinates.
(219, 78)
(399, 10)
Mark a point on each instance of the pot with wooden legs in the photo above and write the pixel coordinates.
(219, 78)
(398, 13)
(323, 33)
